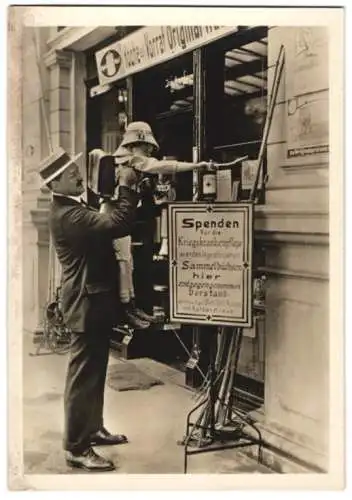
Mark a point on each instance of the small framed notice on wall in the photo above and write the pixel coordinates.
(307, 92)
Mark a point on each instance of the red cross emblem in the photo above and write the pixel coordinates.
(110, 63)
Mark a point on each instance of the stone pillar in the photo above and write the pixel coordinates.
(294, 227)
(78, 115)
(65, 122)
(59, 64)
(57, 122)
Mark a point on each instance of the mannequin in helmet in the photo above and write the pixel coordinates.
(135, 150)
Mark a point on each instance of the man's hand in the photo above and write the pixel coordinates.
(128, 177)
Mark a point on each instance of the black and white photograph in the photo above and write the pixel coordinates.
(175, 240)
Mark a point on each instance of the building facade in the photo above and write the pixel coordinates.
(206, 91)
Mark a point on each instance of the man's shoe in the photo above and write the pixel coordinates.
(104, 438)
(89, 461)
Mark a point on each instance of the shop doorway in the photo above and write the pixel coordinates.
(163, 96)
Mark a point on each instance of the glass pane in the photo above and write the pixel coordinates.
(114, 118)
(176, 79)
(245, 96)
(163, 96)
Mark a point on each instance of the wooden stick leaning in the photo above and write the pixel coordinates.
(275, 88)
(224, 385)
(233, 368)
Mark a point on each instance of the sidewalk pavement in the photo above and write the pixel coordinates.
(153, 419)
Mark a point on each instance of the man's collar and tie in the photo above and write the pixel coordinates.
(78, 199)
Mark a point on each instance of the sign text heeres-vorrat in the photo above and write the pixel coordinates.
(168, 39)
(191, 223)
(152, 45)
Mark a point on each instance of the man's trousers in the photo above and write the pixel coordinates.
(86, 374)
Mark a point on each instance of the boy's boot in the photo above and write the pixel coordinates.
(133, 320)
(140, 313)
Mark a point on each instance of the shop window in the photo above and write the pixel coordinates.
(236, 107)
(164, 98)
(243, 106)
(245, 90)
(114, 118)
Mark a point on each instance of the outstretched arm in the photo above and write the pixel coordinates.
(154, 166)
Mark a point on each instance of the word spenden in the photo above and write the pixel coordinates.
(190, 223)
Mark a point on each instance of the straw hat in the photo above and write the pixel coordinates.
(54, 164)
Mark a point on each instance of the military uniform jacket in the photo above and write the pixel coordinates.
(83, 242)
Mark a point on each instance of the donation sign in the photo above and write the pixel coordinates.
(210, 250)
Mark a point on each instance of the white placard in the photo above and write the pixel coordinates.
(308, 125)
(211, 263)
(235, 189)
(224, 185)
(248, 174)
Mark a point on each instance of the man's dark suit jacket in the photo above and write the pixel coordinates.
(83, 242)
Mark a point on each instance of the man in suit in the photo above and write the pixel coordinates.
(83, 242)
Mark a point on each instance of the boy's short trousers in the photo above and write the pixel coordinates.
(123, 250)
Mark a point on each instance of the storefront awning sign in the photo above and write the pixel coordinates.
(210, 266)
(152, 45)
